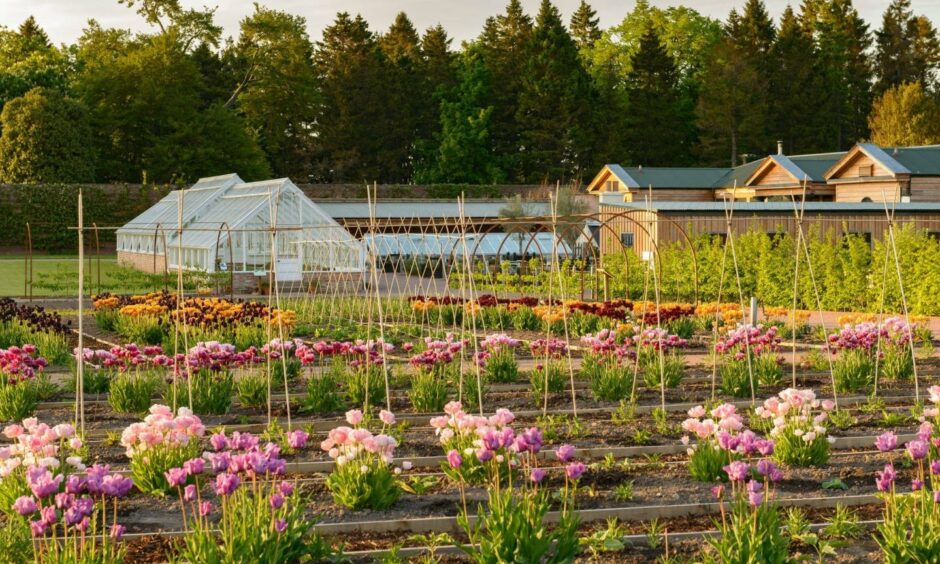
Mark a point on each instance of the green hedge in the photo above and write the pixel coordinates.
(50, 209)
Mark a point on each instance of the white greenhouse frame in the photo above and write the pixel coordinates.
(223, 210)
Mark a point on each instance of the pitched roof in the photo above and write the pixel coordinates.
(675, 177)
(738, 175)
(924, 160)
(816, 165)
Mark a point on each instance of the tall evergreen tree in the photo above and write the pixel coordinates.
(439, 76)
(554, 104)
(654, 105)
(731, 114)
(843, 42)
(407, 94)
(584, 26)
(794, 83)
(504, 47)
(464, 151)
(907, 48)
(350, 118)
(29, 60)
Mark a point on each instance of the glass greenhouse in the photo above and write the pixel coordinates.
(230, 224)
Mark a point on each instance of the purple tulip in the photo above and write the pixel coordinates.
(565, 452)
(117, 531)
(484, 455)
(718, 491)
(24, 505)
(885, 478)
(205, 508)
(194, 466)
(286, 488)
(454, 459)
(886, 442)
(916, 485)
(276, 501)
(189, 493)
(537, 475)
(38, 528)
(575, 470)
(280, 525)
(225, 484)
(175, 477)
(917, 449)
(297, 439)
(737, 471)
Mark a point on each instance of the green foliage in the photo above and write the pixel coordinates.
(206, 392)
(551, 378)
(252, 389)
(853, 370)
(510, 526)
(707, 461)
(660, 371)
(429, 390)
(749, 535)
(45, 138)
(897, 362)
(501, 367)
(791, 448)
(910, 531)
(365, 385)
(323, 394)
(148, 467)
(17, 400)
(609, 381)
(375, 488)
(133, 392)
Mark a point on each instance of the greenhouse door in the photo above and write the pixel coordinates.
(288, 269)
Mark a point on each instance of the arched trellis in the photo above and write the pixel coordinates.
(624, 214)
(28, 266)
(531, 239)
(231, 259)
(158, 230)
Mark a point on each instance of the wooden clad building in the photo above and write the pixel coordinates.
(847, 191)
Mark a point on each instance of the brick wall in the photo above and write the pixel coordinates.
(141, 261)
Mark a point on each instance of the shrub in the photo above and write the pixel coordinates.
(363, 477)
(852, 370)
(551, 378)
(322, 393)
(605, 366)
(800, 439)
(429, 384)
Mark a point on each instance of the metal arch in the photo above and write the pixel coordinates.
(159, 229)
(231, 259)
(28, 266)
(603, 225)
(97, 255)
(677, 225)
(499, 249)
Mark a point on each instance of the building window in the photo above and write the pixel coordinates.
(866, 170)
(626, 239)
(613, 186)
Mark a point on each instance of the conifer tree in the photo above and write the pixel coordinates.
(584, 26)
(407, 94)
(657, 132)
(906, 49)
(554, 110)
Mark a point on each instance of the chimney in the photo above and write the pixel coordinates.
(779, 147)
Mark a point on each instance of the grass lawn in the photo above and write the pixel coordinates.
(57, 275)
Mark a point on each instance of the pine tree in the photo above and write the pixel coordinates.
(407, 94)
(906, 47)
(350, 118)
(464, 151)
(794, 83)
(504, 45)
(654, 105)
(754, 35)
(843, 41)
(439, 76)
(731, 110)
(554, 110)
(33, 37)
(584, 26)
